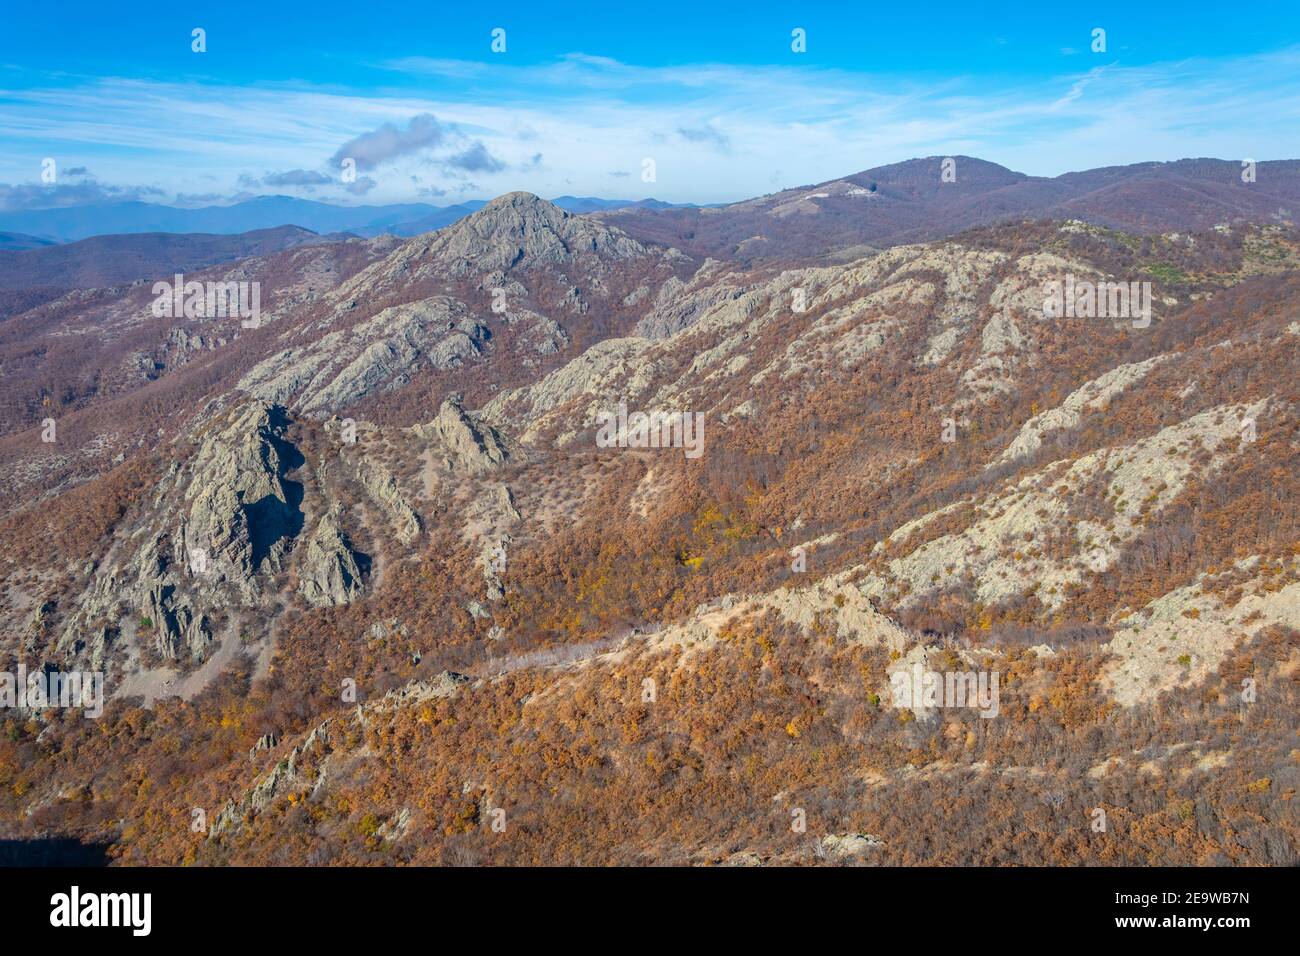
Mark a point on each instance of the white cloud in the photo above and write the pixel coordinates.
(594, 116)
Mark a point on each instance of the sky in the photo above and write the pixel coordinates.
(374, 102)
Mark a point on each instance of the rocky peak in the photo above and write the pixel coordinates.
(243, 510)
(464, 443)
(329, 574)
(526, 203)
(521, 230)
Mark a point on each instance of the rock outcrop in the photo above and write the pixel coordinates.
(461, 443)
(240, 516)
(1091, 396)
(380, 354)
(1179, 639)
(849, 846)
(328, 575)
(243, 512)
(382, 487)
(306, 768)
(1134, 481)
(520, 230)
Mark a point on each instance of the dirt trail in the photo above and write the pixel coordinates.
(562, 655)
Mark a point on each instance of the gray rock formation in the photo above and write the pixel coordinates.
(328, 574)
(455, 289)
(521, 231)
(379, 354)
(264, 743)
(462, 443)
(382, 487)
(848, 846)
(243, 513)
(239, 517)
(301, 770)
(167, 612)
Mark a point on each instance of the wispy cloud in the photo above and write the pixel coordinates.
(296, 177)
(596, 119)
(705, 134)
(1077, 88)
(382, 145)
(43, 196)
(475, 159)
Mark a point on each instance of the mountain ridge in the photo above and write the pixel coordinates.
(73, 223)
(911, 202)
(906, 465)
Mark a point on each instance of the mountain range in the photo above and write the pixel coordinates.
(71, 223)
(371, 581)
(16, 240)
(911, 202)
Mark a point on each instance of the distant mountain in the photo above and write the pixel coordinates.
(440, 217)
(266, 212)
(16, 240)
(911, 202)
(113, 260)
(72, 223)
(571, 281)
(585, 204)
(446, 215)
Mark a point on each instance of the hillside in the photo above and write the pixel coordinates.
(117, 260)
(912, 202)
(433, 598)
(16, 240)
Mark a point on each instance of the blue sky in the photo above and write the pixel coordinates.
(585, 93)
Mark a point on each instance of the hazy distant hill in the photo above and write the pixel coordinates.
(437, 219)
(910, 202)
(446, 215)
(16, 240)
(584, 204)
(111, 260)
(266, 212)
